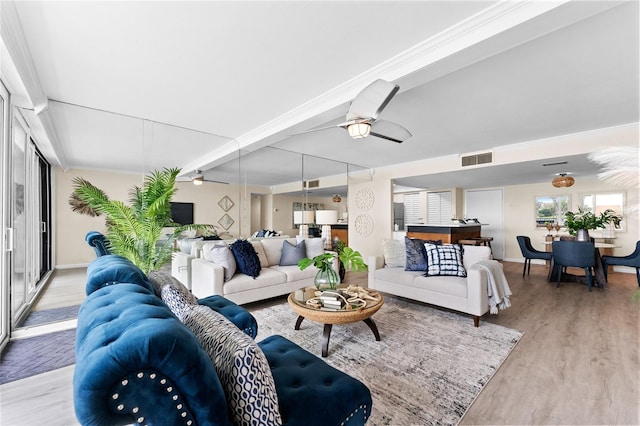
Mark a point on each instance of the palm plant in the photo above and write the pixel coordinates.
(135, 231)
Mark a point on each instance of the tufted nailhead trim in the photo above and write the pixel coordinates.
(181, 410)
(361, 407)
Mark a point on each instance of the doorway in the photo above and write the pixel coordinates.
(487, 205)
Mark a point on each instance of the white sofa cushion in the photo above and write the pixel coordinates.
(315, 246)
(257, 245)
(293, 273)
(267, 277)
(397, 275)
(454, 286)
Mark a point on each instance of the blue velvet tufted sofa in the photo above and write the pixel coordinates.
(139, 359)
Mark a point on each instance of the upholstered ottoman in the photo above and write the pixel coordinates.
(233, 312)
(310, 391)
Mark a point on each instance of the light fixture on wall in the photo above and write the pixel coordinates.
(337, 198)
(562, 180)
(326, 218)
(359, 130)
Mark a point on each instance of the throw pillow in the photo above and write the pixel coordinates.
(246, 257)
(394, 253)
(242, 368)
(172, 292)
(315, 246)
(291, 254)
(220, 254)
(262, 255)
(444, 260)
(415, 255)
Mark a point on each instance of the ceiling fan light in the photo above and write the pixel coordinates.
(563, 181)
(198, 180)
(359, 130)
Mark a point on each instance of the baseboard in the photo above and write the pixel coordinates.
(72, 266)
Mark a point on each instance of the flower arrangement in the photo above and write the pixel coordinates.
(585, 219)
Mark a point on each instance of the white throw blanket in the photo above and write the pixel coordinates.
(498, 287)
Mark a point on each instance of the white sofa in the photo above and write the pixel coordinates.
(207, 278)
(191, 248)
(468, 295)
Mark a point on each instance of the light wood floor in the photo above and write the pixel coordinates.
(577, 363)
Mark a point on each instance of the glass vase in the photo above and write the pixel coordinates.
(326, 279)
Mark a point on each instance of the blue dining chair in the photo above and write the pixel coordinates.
(632, 260)
(530, 253)
(579, 254)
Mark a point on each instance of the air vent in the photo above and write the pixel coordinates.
(313, 183)
(475, 159)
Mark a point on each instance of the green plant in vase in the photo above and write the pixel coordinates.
(135, 231)
(327, 278)
(584, 220)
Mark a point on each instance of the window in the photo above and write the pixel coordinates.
(551, 209)
(412, 208)
(599, 202)
(439, 207)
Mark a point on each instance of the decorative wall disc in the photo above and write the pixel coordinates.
(364, 199)
(226, 221)
(364, 225)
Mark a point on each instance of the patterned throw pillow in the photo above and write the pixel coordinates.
(291, 254)
(246, 258)
(241, 365)
(220, 254)
(172, 292)
(444, 260)
(394, 253)
(415, 255)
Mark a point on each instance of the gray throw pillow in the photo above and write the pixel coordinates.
(291, 254)
(221, 254)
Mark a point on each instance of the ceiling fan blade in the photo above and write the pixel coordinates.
(390, 131)
(370, 102)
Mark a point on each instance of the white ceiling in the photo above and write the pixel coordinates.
(134, 86)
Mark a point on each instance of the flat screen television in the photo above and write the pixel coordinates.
(182, 213)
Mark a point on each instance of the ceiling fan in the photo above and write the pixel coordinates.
(362, 117)
(197, 178)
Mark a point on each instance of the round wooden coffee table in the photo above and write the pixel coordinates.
(328, 318)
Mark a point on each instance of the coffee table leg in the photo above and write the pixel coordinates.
(325, 339)
(372, 325)
(298, 322)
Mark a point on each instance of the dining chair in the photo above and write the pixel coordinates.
(632, 260)
(579, 254)
(530, 253)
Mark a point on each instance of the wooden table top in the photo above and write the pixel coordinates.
(336, 317)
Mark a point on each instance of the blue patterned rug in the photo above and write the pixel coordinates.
(35, 355)
(51, 315)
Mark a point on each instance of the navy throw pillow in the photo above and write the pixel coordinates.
(246, 257)
(416, 255)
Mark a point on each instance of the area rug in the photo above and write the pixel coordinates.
(51, 315)
(34, 355)
(427, 369)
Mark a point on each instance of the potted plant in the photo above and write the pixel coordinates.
(581, 222)
(135, 231)
(327, 278)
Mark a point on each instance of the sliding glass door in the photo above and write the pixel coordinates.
(4, 217)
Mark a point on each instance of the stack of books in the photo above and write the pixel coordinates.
(331, 300)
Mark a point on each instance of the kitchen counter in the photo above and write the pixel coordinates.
(449, 233)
